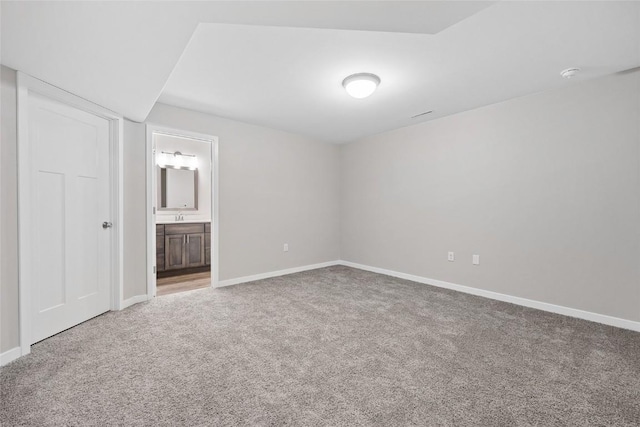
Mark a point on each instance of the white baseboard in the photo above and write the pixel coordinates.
(558, 309)
(261, 276)
(14, 353)
(133, 300)
(10, 355)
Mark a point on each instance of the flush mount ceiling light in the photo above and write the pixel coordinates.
(569, 72)
(361, 85)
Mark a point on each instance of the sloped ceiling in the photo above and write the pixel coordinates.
(120, 54)
(281, 64)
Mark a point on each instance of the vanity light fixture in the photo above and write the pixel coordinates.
(177, 160)
(361, 85)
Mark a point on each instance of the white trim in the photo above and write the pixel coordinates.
(558, 309)
(24, 182)
(117, 198)
(133, 300)
(2, 213)
(151, 217)
(10, 355)
(261, 276)
(215, 217)
(25, 85)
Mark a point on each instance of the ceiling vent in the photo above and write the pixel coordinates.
(422, 114)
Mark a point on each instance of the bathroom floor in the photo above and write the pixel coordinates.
(187, 282)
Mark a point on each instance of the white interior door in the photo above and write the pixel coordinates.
(70, 200)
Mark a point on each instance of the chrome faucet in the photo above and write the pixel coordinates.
(179, 217)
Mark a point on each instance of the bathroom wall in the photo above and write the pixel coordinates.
(202, 150)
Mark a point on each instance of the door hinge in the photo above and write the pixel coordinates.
(154, 269)
(154, 210)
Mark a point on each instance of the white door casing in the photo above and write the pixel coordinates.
(151, 130)
(69, 183)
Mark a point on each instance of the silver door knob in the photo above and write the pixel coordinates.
(106, 225)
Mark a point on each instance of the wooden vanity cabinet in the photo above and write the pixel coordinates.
(194, 251)
(175, 252)
(183, 246)
(160, 247)
(207, 243)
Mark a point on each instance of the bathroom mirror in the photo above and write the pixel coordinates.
(177, 188)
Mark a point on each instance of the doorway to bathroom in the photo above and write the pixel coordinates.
(182, 237)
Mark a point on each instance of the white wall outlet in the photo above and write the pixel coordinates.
(451, 256)
(476, 260)
(286, 248)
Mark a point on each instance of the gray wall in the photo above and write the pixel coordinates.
(135, 201)
(134, 205)
(274, 188)
(544, 188)
(9, 333)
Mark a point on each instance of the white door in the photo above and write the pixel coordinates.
(70, 200)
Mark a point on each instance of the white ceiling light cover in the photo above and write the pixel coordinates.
(361, 85)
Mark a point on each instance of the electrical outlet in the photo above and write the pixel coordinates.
(286, 247)
(451, 257)
(476, 260)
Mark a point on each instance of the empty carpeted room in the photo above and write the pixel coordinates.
(327, 213)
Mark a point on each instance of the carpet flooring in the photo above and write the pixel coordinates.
(335, 346)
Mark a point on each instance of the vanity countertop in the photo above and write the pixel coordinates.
(186, 221)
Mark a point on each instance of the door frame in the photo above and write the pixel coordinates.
(152, 129)
(26, 85)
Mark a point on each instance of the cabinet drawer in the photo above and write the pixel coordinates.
(183, 228)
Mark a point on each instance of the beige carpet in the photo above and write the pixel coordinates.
(335, 346)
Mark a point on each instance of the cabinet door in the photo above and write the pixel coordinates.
(207, 248)
(195, 250)
(174, 250)
(160, 253)
(159, 247)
